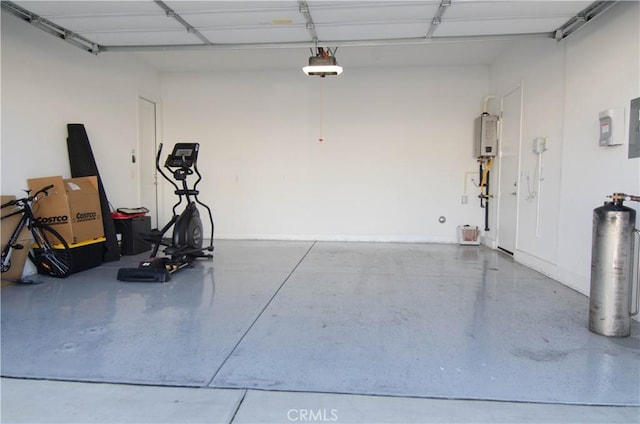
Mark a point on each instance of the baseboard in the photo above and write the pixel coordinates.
(490, 243)
(338, 238)
(570, 279)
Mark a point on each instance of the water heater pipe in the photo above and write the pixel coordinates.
(485, 103)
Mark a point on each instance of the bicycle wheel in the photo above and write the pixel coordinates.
(50, 253)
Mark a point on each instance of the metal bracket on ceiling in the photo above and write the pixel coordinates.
(190, 28)
(437, 18)
(52, 28)
(303, 8)
(582, 18)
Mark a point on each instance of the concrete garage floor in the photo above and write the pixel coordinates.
(337, 332)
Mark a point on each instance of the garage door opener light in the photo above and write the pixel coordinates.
(323, 63)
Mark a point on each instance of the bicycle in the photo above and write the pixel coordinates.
(49, 251)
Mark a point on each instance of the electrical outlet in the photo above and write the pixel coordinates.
(464, 199)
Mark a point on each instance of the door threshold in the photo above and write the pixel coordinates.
(505, 250)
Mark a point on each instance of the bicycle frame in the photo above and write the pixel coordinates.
(26, 220)
(49, 252)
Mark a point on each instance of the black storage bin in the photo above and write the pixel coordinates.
(85, 254)
(132, 231)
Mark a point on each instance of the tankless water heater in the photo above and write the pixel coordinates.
(486, 136)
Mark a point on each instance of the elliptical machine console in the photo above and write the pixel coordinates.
(186, 243)
(184, 156)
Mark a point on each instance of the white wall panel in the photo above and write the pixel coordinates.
(46, 84)
(397, 143)
(538, 66)
(603, 72)
(565, 86)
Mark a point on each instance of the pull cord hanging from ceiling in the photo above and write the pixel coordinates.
(321, 138)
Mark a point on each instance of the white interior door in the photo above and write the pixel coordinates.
(148, 190)
(509, 156)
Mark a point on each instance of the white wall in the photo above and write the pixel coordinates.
(397, 144)
(602, 72)
(565, 85)
(537, 66)
(47, 83)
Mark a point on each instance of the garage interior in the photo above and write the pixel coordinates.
(338, 290)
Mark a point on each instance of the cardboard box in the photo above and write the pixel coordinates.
(72, 207)
(18, 256)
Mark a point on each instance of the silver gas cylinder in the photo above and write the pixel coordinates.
(612, 263)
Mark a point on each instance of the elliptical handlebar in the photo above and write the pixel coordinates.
(159, 169)
(195, 168)
(158, 156)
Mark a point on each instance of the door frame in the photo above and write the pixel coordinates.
(159, 213)
(499, 221)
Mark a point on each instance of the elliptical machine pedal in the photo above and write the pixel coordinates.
(153, 270)
(186, 243)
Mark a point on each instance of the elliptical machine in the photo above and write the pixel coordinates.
(186, 243)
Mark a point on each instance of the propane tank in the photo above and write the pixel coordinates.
(612, 260)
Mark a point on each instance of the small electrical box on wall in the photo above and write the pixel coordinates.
(486, 135)
(539, 145)
(612, 127)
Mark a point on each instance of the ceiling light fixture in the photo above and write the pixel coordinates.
(323, 63)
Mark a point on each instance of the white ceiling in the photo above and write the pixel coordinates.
(233, 34)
